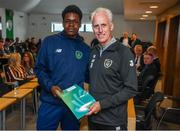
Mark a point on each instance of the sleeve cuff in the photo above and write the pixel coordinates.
(104, 104)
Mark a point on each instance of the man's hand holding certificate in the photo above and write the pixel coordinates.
(77, 99)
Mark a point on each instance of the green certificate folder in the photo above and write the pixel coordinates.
(77, 99)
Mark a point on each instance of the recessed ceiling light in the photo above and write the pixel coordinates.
(153, 7)
(148, 12)
(142, 18)
(144, 15)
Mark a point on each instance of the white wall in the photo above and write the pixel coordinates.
(2, 14)
(144, 29)
(40, 26)
(20, 20)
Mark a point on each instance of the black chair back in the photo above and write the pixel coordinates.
(157, 97)
(151, 107)
(144, 118)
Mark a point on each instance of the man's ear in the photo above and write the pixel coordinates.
(112, 26)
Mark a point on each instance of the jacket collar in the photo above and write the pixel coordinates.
(112, 47)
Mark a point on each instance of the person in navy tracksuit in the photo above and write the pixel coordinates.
(61, 63)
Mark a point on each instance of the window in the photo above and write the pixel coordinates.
(0, 26)
(81, 29)
(57, 27)
(89, 28)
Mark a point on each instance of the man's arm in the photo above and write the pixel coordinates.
(41, 68)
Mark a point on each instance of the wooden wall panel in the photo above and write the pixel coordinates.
(171, 56)
(170, 52)
(176, 88)
(160, 41)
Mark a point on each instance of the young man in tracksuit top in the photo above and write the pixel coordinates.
(61, 63)
(112, 76)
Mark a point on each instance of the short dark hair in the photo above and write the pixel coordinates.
(72, 8)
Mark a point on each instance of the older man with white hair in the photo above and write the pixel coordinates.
(112, 76)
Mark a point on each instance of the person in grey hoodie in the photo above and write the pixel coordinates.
(113, 78)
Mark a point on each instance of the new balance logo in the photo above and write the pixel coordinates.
(58, 50)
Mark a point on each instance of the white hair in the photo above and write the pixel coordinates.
(101, 9)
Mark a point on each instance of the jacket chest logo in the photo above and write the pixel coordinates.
(58, 50)
(92, 61)
(78, 54)
(107, 63)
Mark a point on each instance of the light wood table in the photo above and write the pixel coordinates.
(29, 85)
(4, 103)
(34, 80)
(32, 85)
(131, 115)
(20, 95)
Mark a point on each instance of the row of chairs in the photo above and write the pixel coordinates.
(153, 112)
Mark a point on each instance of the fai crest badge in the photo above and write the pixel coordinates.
(78, 54)
(107, 63)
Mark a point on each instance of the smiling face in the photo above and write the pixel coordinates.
(102, 27)
(138, 50)
(71, 24)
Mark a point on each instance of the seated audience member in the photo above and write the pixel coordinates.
(145, 45)
(16, 71)
(125, 39)
(134, 41)
(26, 44)
(33, 48)
(28, 64)
(152, 50)
(2, 51)
(139, 61)
(148, 70)
(4, 88)
(14, 46)
(7, 43)
(38, 45)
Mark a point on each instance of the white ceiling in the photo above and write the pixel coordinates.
(132, 9)
(56, 6)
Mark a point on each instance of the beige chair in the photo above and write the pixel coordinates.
(170, 115)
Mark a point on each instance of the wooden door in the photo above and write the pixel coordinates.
(170, 64)
(160, 41)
